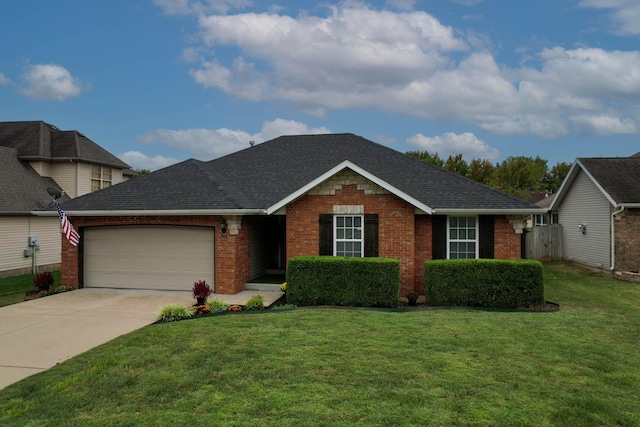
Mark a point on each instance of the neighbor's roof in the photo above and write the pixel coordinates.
(38, 140)
(618, 178)
(263, 177)
(23, 189)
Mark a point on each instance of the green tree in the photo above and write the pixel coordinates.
(519, 175)
(457, 164)
(427, 157)
(482, 170)
(554, 178)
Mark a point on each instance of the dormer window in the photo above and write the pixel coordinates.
(101, 177)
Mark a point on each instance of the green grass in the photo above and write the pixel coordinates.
(575, 367)
(13, 289)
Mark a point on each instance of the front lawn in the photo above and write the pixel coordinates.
(575, 367)
(13, 289)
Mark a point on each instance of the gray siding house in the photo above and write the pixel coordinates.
(35, 155)
(598, 206)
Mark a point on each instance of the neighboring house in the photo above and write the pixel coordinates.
(599, 209)
(546, 218)
(33, 157)
(230, 220)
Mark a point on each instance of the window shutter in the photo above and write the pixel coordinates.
(485, 234)
(326, 234)
(371, 235)
(439, 236)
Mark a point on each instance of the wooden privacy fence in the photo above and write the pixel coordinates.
(544, 243)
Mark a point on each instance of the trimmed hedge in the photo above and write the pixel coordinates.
(484, 283)
(355, 282)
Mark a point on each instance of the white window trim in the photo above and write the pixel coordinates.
(335, 233)
(477, 239)
(542, 217)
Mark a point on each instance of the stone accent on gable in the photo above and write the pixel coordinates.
(346, 177)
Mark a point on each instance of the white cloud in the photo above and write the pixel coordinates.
(50, 81)
(137, 160)
(187, 7)
(604, 124)
(354, 50)
(625, 14)
(451, 144)
(408, 63)
(4, 80)
(207, 144)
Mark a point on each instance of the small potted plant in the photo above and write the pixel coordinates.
(201, 291)
(412, 297)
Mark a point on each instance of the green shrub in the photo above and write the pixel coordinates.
(255, 303)
(216, 305)
(484, 283)
(43, 281)
(173, 312)
(356, 282)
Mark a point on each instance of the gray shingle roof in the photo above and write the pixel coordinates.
(38, 140)
(23, 189)
(263, 175)
(618, 176)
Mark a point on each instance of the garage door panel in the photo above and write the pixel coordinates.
(148, 257)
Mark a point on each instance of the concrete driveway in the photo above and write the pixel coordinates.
(36, 335)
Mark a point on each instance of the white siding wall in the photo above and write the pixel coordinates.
(65, 174)
(43, 168)
(116, 176)
(14, 234)
(585, 204)
(84, 179)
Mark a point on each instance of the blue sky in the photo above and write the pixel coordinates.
(160, 81)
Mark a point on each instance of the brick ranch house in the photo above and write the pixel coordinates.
(229, 220)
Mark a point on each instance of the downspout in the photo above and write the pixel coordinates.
(613, 237)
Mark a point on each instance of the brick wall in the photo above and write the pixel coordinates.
(231, 250)
(396, 229)
(423, 249)
(507, 243)
(627, 245)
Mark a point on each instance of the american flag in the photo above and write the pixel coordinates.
(67, 228)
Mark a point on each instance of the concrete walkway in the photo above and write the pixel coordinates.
(36, 335)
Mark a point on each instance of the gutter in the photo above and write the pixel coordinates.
(613, 236)
(490, 211)
(156, 213)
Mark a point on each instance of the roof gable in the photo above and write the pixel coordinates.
(342, 166)
(23, 189)
(617, 178)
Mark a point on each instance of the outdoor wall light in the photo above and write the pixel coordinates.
(223, 225)
(583, 228)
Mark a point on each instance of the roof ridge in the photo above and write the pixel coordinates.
(200, 165)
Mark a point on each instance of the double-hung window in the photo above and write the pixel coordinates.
(462, 237)
(349, 235)
(101, 177)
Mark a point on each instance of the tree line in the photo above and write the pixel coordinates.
(516, 175)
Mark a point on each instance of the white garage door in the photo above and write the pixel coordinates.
(148, 257)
